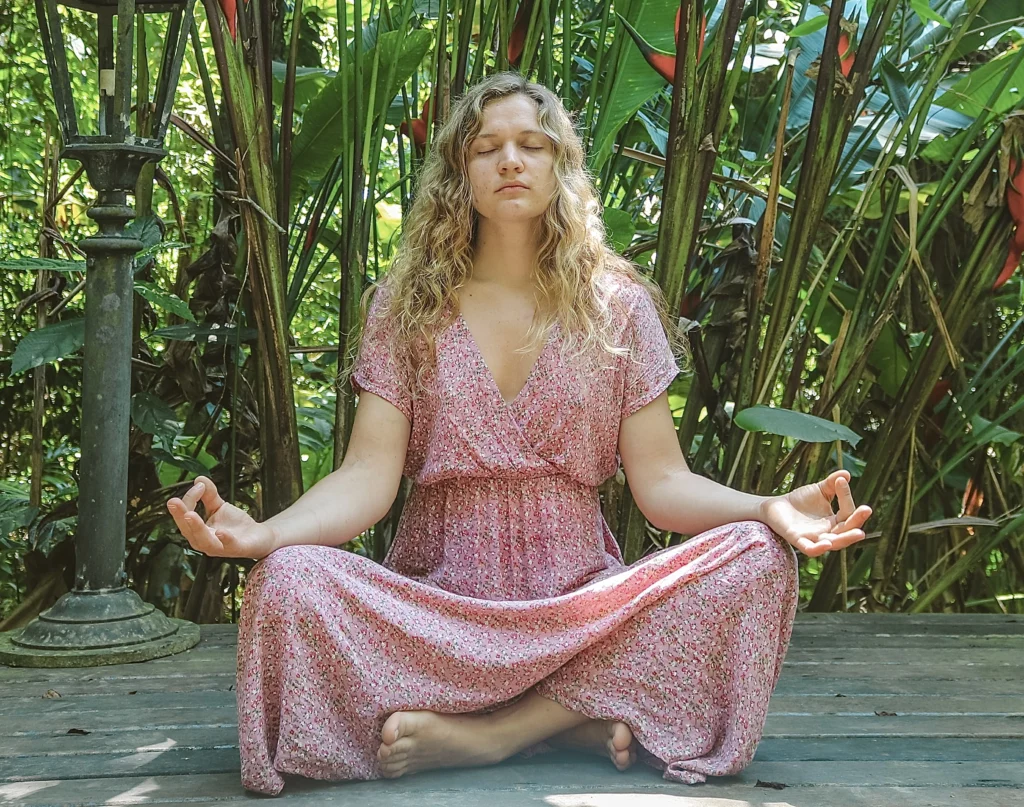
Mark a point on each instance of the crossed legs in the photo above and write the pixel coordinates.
(420, 740)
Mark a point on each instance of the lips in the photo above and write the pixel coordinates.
(510, 187)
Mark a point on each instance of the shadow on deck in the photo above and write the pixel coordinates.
(871, 710)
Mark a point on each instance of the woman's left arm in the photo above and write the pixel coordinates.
(674, 498)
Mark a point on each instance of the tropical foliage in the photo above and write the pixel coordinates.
(825, 194)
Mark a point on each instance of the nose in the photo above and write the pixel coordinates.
(510, 157)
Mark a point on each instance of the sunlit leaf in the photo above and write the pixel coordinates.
(798, 425)
(47, 344)
(164, 299)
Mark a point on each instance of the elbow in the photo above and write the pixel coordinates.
(658, 498)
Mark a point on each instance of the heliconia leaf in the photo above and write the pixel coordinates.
(48, 344)
(43, 264)
(322, 136)
(925, 12)
(809, 26)
(620, 226)
(213, 332)
(164, 299)
(153, 416)
(798, 425)
(896, 87)
(990, 433)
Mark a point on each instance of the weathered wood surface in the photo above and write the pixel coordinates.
(872, 710)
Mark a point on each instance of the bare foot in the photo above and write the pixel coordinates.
(422, 740)
(605, 737)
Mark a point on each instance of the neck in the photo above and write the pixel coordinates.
(506, 253)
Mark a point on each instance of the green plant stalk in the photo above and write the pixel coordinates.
(490, 28)
(692, 144)
(279, 435)
(928, 364)
(976, 554)
(599, 48)
(287, 123)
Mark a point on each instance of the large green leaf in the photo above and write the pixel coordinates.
(322, 136)
(48, 344)
(620, 227)
(798, 425)
(990, 433)
(153, 416)
(308, 82)
(164, 299)
(635, 82)
(40, 264)
(205, 333)
(889, 357)
(970, 93)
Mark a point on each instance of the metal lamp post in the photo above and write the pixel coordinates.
(101, 620)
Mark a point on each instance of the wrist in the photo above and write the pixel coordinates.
(272, 538)
(764, 507)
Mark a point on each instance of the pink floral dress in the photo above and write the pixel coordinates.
(504, 575)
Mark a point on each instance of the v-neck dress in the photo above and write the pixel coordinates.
(504, 575)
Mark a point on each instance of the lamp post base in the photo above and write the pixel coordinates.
(93, 628)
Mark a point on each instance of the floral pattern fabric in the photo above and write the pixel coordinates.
(503, 575)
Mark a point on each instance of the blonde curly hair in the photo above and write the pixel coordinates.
(434, 257)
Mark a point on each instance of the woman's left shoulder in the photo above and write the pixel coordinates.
(625, 294)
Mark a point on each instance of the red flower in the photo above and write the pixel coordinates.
(665, 63)
(846, 55)
(1015, 204)
(228, 7)
(517, 37)
(419, 125)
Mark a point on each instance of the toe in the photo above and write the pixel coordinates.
(392, 728)
(621, 737)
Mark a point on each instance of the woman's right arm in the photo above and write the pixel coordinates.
(336, 509)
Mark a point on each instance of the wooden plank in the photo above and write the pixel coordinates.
(37, 754)
(180, 684)
(160, 761)
(800, 773)
(989, 664)
(29, 709)
(219, 789)
(898, 726)
(813, 685)
(807, 724)
(43, 746)
(921, 749)
(126, 720)
(791, 683)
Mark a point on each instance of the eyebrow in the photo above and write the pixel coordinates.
(524, 131)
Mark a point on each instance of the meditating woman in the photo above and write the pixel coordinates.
(509, 360)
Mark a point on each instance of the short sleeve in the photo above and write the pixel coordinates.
(380, 363)
(651, 365)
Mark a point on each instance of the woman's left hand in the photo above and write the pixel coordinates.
(805, 519)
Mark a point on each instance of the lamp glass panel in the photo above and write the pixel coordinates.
(80, 48)
(154, 27)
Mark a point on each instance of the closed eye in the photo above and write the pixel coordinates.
(528, 148)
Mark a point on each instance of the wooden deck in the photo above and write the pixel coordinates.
(871, 710)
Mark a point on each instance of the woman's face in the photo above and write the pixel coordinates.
(511, 148)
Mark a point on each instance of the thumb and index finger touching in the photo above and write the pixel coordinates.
(189, 522)
(837, 486)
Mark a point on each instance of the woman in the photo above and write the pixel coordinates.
(508, 362)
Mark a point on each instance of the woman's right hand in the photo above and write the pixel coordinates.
(228, 531)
